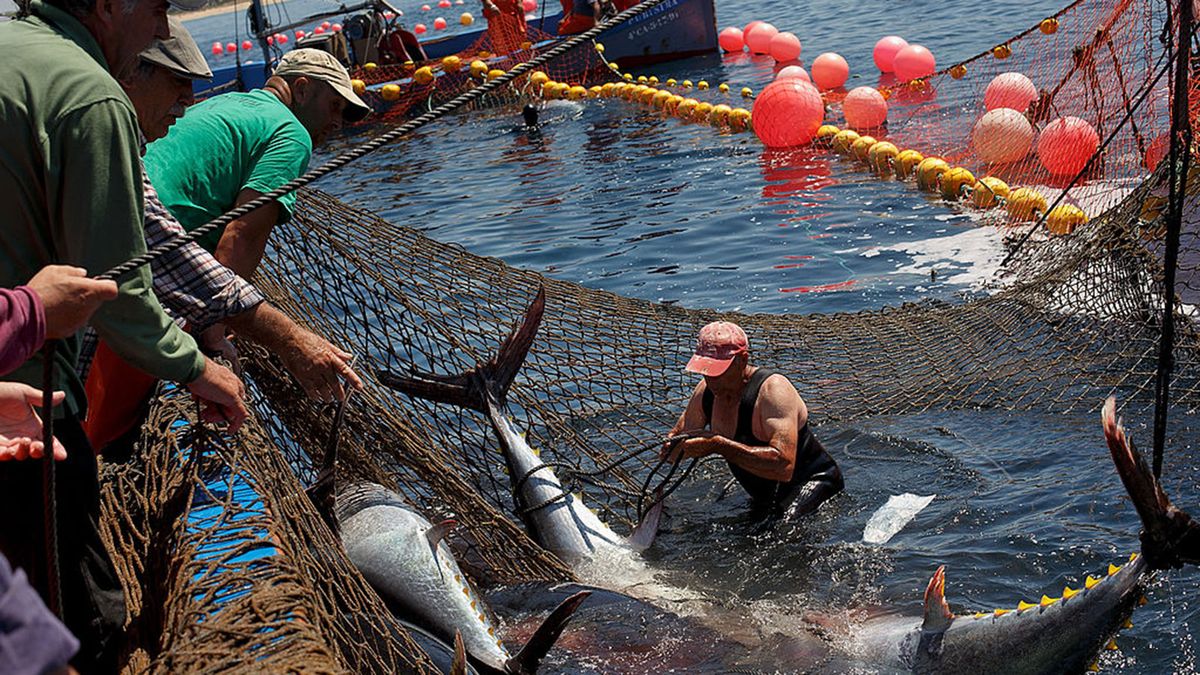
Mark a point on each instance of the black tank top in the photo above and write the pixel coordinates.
(811, 457)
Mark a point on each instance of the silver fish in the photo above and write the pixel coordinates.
(402, 555)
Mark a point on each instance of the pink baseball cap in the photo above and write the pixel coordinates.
(720, 342)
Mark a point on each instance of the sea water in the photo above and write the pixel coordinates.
(615, 197)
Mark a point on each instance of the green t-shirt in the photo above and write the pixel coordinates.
(222, 146)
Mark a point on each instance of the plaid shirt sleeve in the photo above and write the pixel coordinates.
(189, 281)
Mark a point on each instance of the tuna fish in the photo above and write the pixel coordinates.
(555, 518)
(1053, 635)
(402, 555)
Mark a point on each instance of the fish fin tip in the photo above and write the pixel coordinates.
(459, 665)
(937, 613)
(436, 533)
(643, 535)
(527, 660)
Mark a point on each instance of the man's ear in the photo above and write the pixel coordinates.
(302, 89)
(107, 11)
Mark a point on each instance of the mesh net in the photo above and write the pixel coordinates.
(1075, 318)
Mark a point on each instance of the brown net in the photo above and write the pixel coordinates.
(1074, 318)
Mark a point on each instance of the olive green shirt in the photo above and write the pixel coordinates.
(71, 190)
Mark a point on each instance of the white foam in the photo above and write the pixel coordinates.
(972, 257)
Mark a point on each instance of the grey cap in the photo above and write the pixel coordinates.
(178, 53)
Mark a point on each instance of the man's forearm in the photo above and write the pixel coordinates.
(766, 461)
(267, 326)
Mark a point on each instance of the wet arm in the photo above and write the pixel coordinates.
(692, 418)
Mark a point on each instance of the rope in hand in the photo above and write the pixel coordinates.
(660, 492)
(376, 143)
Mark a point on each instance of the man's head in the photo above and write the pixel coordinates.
(123, 28)
(160, 85)
(722, 350)
(321, 95)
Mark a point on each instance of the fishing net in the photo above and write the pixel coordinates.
(1073, 319)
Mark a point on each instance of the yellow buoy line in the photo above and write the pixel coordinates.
(885, 159)
(934, 174)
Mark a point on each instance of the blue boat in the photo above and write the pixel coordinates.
(676, 29)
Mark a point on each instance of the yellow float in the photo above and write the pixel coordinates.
(1064, 218)
(905, 162)
(954, 180)
(1025, 204)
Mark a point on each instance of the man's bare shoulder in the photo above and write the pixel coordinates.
(779, 398)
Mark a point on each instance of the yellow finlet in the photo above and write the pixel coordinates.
(1111, 646)
(1001, 612)
(980, 615)
(1047, 601)
(1068, 592)
(1128, 624)
(1022, 606)
(1142, 601)
(1094, 668)
(1133, 556)
(1090, 582)
(1113, 569)
(472, 604)
(466, 592)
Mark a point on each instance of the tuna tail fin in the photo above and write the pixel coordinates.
(473, 388)
(459, 665)
(526, 661)
(1169, 536)
(643, 535)
(937, 613)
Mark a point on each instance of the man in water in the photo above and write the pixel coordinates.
(757, 421)
(530, 114)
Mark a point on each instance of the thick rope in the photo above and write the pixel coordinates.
(376, 143)
(49, 481)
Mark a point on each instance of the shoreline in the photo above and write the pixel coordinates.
(222, 8)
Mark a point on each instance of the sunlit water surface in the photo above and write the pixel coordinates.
(614, 197)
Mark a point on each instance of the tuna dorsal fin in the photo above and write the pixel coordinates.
(526, 661)
(459, 665)
(643, 535)
(937, 613)
(438, 532)
(473, 388)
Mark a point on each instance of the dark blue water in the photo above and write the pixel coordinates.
(617, 198)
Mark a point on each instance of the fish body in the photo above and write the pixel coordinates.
(415, 572)
(1055, 635)
(557, 519)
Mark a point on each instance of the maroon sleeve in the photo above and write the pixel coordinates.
(22, 326)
